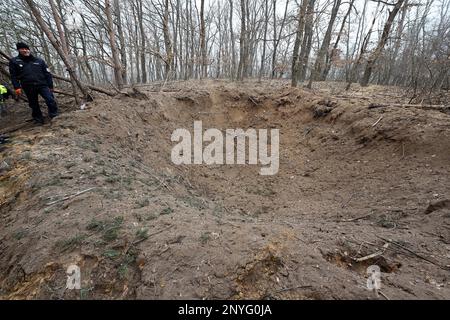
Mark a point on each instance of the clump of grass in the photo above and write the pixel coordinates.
(112, 194)
(86, 293)
(262, 191)
(20, 234)
(26, 155)
(194, 202)
(87, 158)
(100, 162)
(147, 182)
(167, 210)
(218, 211)
(95, 225)
(128, 259)
(109, 228)
(88, 145)
(142, 202)
(141, 234)
(122, 271)
(82, 131)
(69, 165)
(151, 216)
(205, 237)
(386, 222)
(111, 253)
(113, 179)
(127, 180)
(111, 232)
(70, 243)
(51, 181)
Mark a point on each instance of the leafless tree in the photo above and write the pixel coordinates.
(110, 43)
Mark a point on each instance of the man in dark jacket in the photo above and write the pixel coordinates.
(33, 76)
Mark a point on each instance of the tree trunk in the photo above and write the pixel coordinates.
(307, 40)
(233, 50)
(242, 44)
(58, 48)
(112, 41)
(167, 41)
(276, 37)
(330, 57)
(319, 65)
(384, 36)
(365, 42)
(263, 55)
(123, 51)
(64, 47)
(202, 39)
(295, 69)
(143, 42)
(397, 44)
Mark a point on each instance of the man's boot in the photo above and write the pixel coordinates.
(53, 115)
(38, 121)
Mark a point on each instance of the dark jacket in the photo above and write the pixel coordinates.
(29, 71)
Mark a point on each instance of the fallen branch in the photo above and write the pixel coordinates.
(146, 170)
(373, 255)
(253, 100)
(379, 119)
(15, 128)
(384, 296)
(93, 88)
(414, 253)
(70, 196)
(63, 92)
(403, 151)
(439, 107)
(164, 84)
(152, 234)
(348, 201)
(358, 218)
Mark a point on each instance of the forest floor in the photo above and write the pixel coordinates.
(353, 181)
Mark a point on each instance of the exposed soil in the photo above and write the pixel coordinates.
(351, 179)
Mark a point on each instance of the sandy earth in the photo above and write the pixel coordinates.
(353, 181)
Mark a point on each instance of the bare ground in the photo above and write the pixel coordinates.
(351, 179)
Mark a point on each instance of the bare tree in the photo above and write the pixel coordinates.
(298, 40)
(202, 38)
(123, 51)
(64, 46)
(114, 50)
(58, 48)
(381, 43)
(320, 62)
(242, 68)
(333, 53)
(108, 43)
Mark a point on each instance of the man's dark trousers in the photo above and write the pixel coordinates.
(32, 95)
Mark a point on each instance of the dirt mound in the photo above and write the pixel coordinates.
(97, 188)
